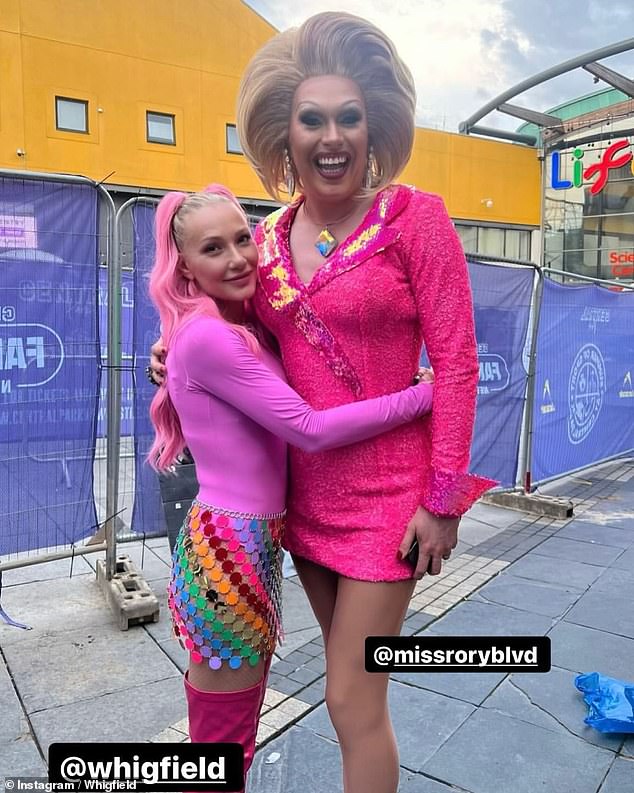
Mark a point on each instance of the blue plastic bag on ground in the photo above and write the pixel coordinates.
(610, 702)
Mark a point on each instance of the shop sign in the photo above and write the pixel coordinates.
(616, 155)
(622, 264)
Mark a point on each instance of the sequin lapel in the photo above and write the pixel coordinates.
(285, 292)
(276, 273)
(278, 278)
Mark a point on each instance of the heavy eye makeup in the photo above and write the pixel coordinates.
(348, 117)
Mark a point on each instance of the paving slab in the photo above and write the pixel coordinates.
(300, 624)
(21, 758)
(161, 547)
(416, 623)
(13, 724)
(473, 532)
(617, 513)
(625, 561)
(589, 553)
(609, 611)
(284, 684)
(423, 721)
(137, 713)
(493, 752)
(499, 517)
(472, 687)
(307, 762)
(314, 693)
(582, 650)
(417, 783)
(158, 543)
(596, 533)
(102, 660)
(295, 640)
(488, 619)
(537, 597)
(176, 654)
(614, 579)
(56, 606)
(536, 567)
(620, 778)
(305, 675)
(161, 630)
(551, 701)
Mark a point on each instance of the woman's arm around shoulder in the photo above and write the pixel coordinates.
(218, 360)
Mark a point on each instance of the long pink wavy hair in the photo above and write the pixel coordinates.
(178, 300)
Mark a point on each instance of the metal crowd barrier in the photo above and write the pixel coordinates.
(125, 496)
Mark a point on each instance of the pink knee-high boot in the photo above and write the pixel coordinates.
(226, 716)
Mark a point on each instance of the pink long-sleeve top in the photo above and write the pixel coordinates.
(356, 331)
(237, 414)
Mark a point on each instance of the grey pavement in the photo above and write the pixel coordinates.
(76, 677)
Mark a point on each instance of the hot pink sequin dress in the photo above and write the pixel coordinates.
(356, 331)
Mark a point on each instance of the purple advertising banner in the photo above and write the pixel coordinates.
(49, 364)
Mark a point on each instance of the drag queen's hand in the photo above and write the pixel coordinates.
(437, 537)
(424, 375)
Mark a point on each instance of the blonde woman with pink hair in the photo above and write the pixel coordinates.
(227, 400)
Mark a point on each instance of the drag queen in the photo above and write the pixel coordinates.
(354, 277)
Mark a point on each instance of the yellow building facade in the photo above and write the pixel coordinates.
(142, 94)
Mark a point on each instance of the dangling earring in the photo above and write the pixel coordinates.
(289, 176)
(370, 170)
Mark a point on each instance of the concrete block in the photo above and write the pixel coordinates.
(128, 593)
(534, 504)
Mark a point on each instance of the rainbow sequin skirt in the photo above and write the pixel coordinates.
(225, 591)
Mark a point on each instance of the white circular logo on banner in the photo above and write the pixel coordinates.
(586, 388)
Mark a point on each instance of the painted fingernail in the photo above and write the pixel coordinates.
(399, 555)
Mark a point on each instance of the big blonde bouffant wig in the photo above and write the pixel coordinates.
(327, 43)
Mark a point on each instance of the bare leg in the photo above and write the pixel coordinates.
(320, 585)
(356, 699)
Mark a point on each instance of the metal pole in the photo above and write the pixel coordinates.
(114, 411)
(113, 421)
(493, 132)
(547, 74)
(526, 435)
(524, 474)
(499, 261)
(590, 278)
(39, 176)
(83, 550)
